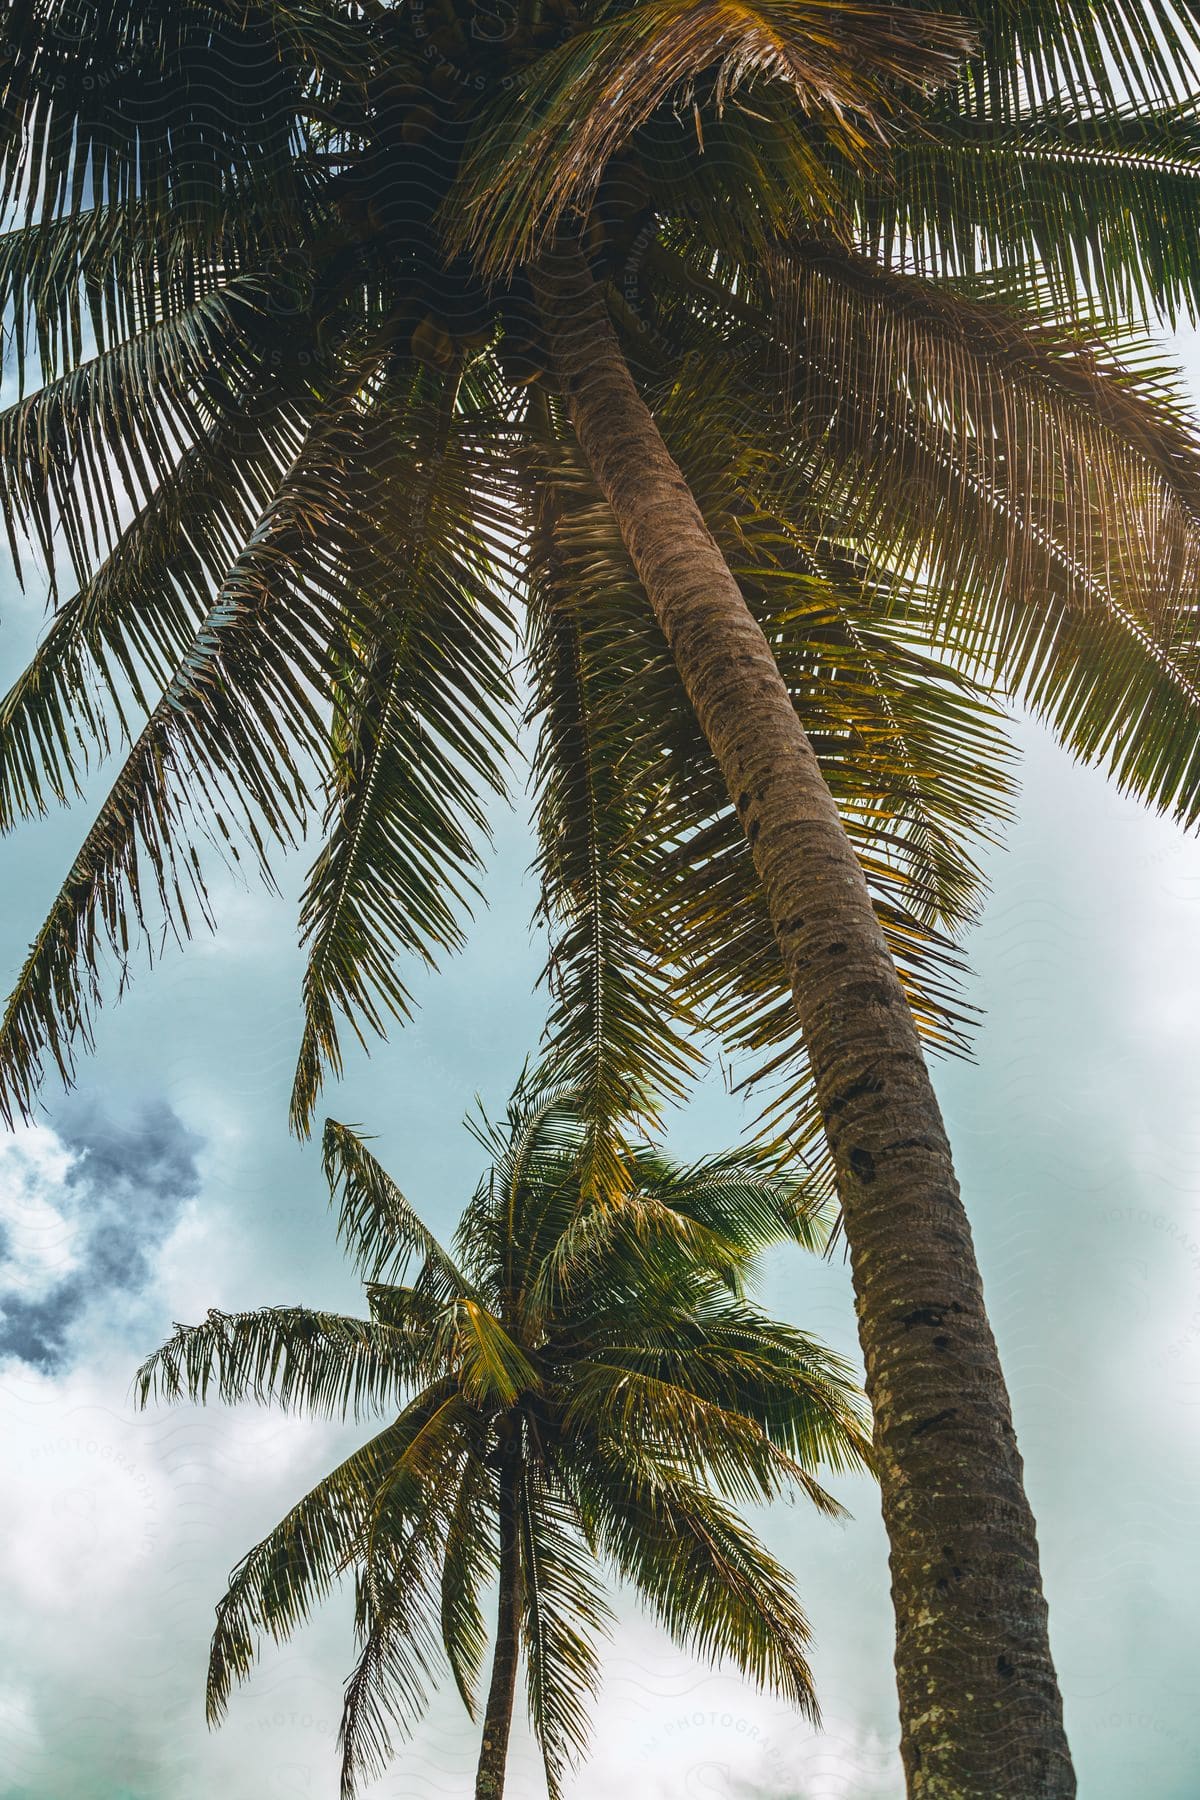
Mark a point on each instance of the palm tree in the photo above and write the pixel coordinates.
(832, 447)
(579, 1382)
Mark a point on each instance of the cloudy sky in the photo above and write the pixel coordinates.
(168, 1183)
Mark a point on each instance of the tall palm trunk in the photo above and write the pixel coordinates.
(497, 1721)
(981, 1717)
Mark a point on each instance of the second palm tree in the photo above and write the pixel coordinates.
(579, 1382)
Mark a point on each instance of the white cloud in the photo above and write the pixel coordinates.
(38, 1237)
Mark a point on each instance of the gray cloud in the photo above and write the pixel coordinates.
(36, 1331)
(85, 1222)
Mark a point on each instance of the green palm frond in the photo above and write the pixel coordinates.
(705, 1223)
(618, 1402)
(425, 1472)
(291, 1357)
(564, 1614)
(399, 1589)
(310, 602)
(469, 1562)
(533, 1153)
(745, 1197)
(795, 1391)
(275, 1586)
(1119, 696)
(421, 712)
(637, 1244)
(538, 1157)
(548, 145)
(1118, 569)
(493, 1367)
(910, 399)
(387, 1690)
(1099, 211)
(382, 1232)
(377, 1224)
(108, 432)
(229, 738)
(101, 102)
(705, 1577)
(122, 635)
(618, 1035)
(82, 285)
(1031, 53)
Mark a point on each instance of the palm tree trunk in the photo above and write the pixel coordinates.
(981, 1717)
(497, 1721)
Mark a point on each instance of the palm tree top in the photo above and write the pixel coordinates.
(290, 448)
(597, 1368)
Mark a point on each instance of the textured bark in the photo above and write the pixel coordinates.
(981, 1717)
(497, 1722)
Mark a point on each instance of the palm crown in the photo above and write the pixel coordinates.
(879, 274)
(292, 446)
(579, 1382)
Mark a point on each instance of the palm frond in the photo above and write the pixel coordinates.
(399, 1588)
(387, 1690)
(546, 148)
(494, 1368)
(233, 728)
(80, 450)
(275, 1586)
(1032, 53)
(803, 1395)
(92, 280)
(382, 1233)
(702, 1573)
(469, 1563)
(563, 1613)
(102, 102)
(534, 1154)
(731, 1356)
(122, 635)
(377, 1224)
(420, 723)
(1076, 523)
(1084, 452)
(1099, 210)
(746, 1197)
(617, 1033)
(639, 1244)
(291, 1357)
(619, 1402)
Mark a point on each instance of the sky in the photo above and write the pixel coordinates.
(167, 1183)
